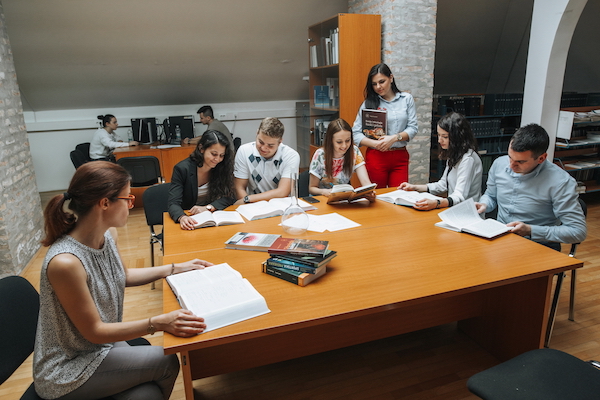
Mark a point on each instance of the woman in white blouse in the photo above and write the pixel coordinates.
(462, 177)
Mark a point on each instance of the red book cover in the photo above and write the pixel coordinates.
(299, 246)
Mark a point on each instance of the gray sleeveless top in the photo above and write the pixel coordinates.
(63, 359)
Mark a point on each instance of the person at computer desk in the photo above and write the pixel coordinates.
(81, 349)
(534, 196)
(203, 181)
(264, 168)
(335, 162)
(105, 140)
(207, 117)
(462, 176)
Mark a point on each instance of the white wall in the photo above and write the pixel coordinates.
(53, 134)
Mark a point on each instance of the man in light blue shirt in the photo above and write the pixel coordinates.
(534, 196)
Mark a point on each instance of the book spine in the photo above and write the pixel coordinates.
(307, 263)
(279, 263)
(273, 271)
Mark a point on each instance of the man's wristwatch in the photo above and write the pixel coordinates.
(246, 199)
(210, 208)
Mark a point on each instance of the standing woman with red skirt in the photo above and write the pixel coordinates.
(387, 158)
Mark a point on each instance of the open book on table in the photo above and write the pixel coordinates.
(406, 197)
(217, 218)
(349, 193)
(272, 208)
(463, 217)
(218, 294)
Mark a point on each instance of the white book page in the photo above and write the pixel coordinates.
(249, 211)
(336, 222)
(487, 228)
(282, 203)
(461, 215)
(406, 197)
(228, 217)
(203, 217)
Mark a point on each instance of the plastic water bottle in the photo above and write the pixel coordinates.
(129, 135)
(177, 134)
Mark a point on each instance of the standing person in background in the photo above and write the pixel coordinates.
(263, 168)
(335, 162)
(463, 172)
(387, 158)
(207, 117)
(80, 347)
(203, 181)
(105, 140)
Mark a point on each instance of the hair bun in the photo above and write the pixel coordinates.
(100, 117)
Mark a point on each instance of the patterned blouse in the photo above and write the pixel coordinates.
(317, 168)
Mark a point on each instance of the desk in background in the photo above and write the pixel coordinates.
(396, 273)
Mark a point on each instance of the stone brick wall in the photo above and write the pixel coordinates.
(21, 222)
(408, 36)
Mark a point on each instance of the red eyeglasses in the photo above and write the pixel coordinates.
(130, 199)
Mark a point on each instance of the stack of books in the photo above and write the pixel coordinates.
(300, 261)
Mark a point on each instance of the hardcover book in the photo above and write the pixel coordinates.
(314, 261)
(251, 241)
(292, 265)
(374, 123)
(348, 193)
(217, 218)
(272, 208)
(218, 294)
(299, 246)
(406, 197)
(295, 277)
(463, 217)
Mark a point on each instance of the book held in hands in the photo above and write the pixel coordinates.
(374, 123)
(349, 193)
(217, 218)
(251, 241)
(463, 217)
(406, 197)
(272, 208)
(219, 294)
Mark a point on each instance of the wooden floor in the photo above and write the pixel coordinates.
(430, 364)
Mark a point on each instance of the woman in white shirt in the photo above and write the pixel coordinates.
(105, 140)
(462, 177)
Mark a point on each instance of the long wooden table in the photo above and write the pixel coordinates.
(396, 273)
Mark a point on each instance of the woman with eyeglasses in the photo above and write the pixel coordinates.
(80, 349)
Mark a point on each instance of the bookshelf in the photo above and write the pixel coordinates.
(580, 154)
(342, 50)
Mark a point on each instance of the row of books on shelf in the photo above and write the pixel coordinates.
(480, 104)
(327, 95)
(493, 145)
(579, 100)
(486, 126)
(584, 174)
(326, 51)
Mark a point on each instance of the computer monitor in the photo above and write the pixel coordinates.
(144, 130)
(185, 123)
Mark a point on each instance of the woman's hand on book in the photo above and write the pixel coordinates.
(191, 265)
(385, 142)
(198, 209)
(407, 186)
(180, 323)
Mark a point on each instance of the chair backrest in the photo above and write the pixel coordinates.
(237, 142)
(144, 170)
(303, 180)
(583, 206)
(77, 158)
(19, 308)
(85, 149)
(155, 203)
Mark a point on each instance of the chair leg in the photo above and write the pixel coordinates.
(152, 286)
(559, 279)
(572, 295)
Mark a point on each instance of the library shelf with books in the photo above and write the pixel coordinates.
(577, 148)
(342, 49)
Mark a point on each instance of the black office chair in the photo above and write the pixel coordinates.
(303, 180)
(144, 170)
(19, 308)
(155, 205)
(559, 280)
(237, 142)
(84, 148)
(542, 374)
(77, 158)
